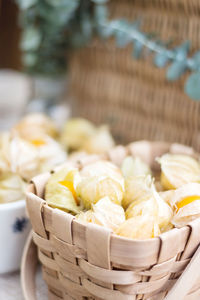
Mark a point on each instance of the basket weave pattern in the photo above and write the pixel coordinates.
(108, 85)
(89, 262)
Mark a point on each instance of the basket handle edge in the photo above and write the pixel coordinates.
(187, 279)
(28, 269)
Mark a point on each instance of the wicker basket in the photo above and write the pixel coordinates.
(89, 262)
(133, 96)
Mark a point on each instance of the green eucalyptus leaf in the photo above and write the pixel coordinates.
(25, 4)
(161, 59)
(87, 27)
(59, 17)
(99, 1)
(115, 23)
(196, 59)
(105, 31)
(122, 39)
(197, 56)
(78, 40)
(63, 3)
(175, 70)
(31, 39)
(182, 51)
(192, 86)
(100, 13)
(29, 59)
(137, 49)
(124, 25)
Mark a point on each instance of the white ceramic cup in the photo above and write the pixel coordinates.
(14, 229)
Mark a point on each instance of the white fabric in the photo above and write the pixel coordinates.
(11, 287)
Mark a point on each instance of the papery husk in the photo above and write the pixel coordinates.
(75, 132)
(139, 227)
(159, 186)
(4, 146)
(26, 159)
(88, 216)
(136, 188)
(34, 126)
(146, 206)
(152, 206)
(22, 158)
(91, 189)
(58, 195)
(50, 154)
(76, 156)
(167, 196)
(185, 191)
(12, 187)
(4, 166)
(108, 213)
(134, 166)
(164, 212)
(102, 168)
(186, 202)
(100, 142)
(187, 214)
(100, 179)
(177, 170)
(104, 213)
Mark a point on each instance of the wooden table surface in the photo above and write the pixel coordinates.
(10, 288)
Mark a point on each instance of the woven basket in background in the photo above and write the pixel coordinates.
(108, 85)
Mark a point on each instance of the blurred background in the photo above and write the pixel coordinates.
(10, 56)
(114, 54)
(20, 90)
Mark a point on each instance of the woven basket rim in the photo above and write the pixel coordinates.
(113, 235)
(125, 239)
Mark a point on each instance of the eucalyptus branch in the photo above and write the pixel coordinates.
(177, 60)
(52, 27)
(140, 37)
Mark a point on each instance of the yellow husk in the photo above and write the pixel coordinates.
(100, 179)
(24, 158)
(186, 203)
(136, 188)
(186, 214)
(12, 187)
(167, 196)
(91, 189)
(100, 142)
(35, 126)
(87, 217)
(60, 195)
(4, 146)
(152, 206)
(76, 131)
(50, 154)
(103, 168)
(104, 213)
(76, 156)
(177, 170)
(134, 166)
(139, 227)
